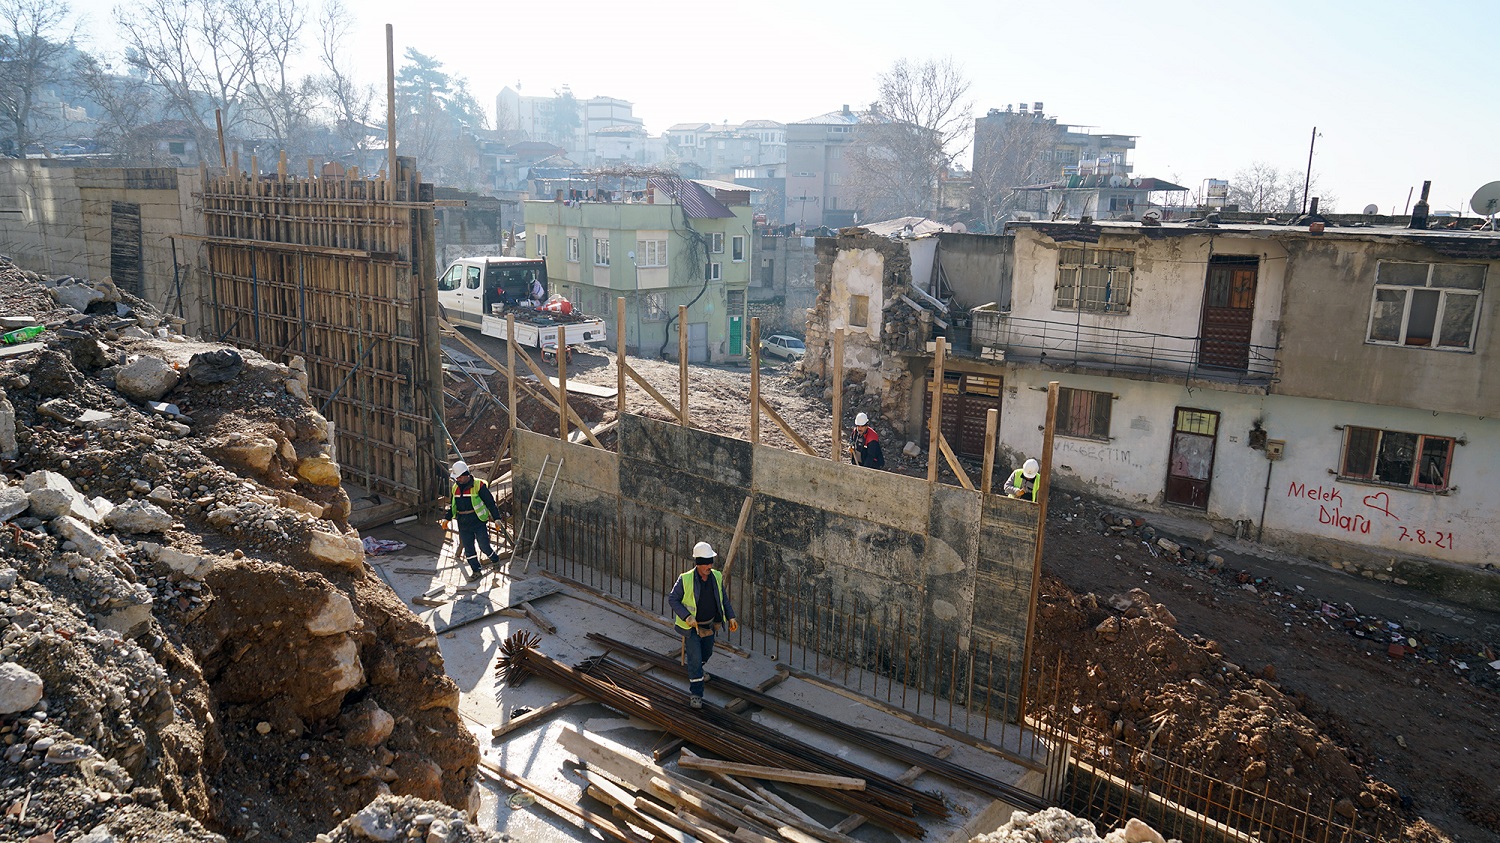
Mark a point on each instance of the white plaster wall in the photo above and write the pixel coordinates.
(1167, 292)
(1305, 503)
(923, 252)
(856, 272)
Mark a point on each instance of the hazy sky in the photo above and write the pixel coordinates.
(1399, 91)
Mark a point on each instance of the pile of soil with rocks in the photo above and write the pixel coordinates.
(193, 645)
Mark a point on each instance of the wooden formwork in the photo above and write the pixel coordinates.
(341, 272)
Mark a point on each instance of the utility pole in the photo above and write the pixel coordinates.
(1307, 183)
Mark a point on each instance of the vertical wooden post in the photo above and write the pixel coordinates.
(935, 418)
(390, 106)
(755, 380)
(562, 382)
(682, 365)
(620, 355)
(223, 158)
(1043, 492)
(838, 394)
(991, 426)
(510, 368)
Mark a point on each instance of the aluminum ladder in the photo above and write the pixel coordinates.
(533, 518)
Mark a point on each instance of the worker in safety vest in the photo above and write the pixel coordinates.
(864, 444)
(699, 605)
(1023, 482)
(472, 508)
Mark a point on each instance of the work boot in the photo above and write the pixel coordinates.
(474, 575)
(695, 702)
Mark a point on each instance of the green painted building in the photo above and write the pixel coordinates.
(679, 243)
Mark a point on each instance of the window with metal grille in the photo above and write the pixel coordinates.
(1413, 460)
(1095, 280)
(1426, 305)
(1083, 413)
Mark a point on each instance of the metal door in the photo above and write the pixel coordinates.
(1228, 311)
(697, 342)
(735, 336)
(473, 295)
(125, 247)
(1190, 467)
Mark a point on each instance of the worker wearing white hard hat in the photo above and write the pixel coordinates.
(864, 444)
(699, 604)
(1024, 481)
(471, 508)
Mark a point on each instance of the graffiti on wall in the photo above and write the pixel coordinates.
(1374, 514)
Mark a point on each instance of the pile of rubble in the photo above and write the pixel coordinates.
(1055, 825)
(193, 644)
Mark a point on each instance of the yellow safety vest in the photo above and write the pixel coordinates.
(479, 508)
(690, 597)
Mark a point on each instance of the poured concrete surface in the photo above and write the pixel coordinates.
(471, 654)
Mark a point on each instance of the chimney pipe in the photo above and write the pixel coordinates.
(1313, 209)
(1419, 210)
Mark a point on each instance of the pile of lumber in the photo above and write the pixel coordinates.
(886, 801)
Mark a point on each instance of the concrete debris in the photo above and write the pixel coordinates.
(1055, 825)
(139, 517)
(147, 379)
(52, 496)
(20, 689)
(13, 502)
(77, 296)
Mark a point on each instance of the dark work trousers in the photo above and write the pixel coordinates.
(696, 651)
(470, 531)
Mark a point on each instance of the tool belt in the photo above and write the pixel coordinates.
(706, 630)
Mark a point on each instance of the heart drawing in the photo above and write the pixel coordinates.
(1380, 501)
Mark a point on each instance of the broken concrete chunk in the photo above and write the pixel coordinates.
(13, 502)
(139, 517)
(169, 410)
(20, 689)
(188, 564)
(147, 379)
(12, 323)
(77, 532)
(1168, 545)
(52, 495)
(76, 296)
(911, 449)
(366, 724)
(320, 471)
(8, 446)
(336, 615)
(103, 507)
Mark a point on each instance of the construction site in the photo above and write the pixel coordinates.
(233, 609)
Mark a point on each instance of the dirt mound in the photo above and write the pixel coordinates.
(197, 644)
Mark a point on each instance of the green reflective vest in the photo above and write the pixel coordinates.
(690, 596)
(1018, 481)
(479, 508)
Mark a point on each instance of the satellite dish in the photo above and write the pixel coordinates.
(1486, 201)
(1372, 208)
(1116, 181)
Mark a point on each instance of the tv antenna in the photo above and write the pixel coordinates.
(1486, 202)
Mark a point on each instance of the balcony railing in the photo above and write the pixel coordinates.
(1117, 349)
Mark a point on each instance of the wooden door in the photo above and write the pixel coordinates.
(1190, 467)
(1228, 312)
(966, 400)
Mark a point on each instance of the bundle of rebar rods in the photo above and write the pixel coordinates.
(884, 800)
(841, 730)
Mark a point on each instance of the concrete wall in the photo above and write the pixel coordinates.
(978, 267)
(1308, 509)
(57, 221)
(1326, 320)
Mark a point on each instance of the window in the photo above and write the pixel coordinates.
(541, 245)
(836, 179)
(177, 147)
(713, 271)
(473, 280)
(1401, 459)
(1426, 305)
(573, 250)
(859, 311)
(452, 279)
(718, 243)
(1083, 413)
(653, 308)
(737, 247)
(601, 251)
(1094, 280)
(651, 252)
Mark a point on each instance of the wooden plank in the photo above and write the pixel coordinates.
(775, 774)
(958, 470)
(739, 532)
(534, 715)
(650, 390)
(787, 429)
(587, 388)
(991, 425)
(785, 806)
(935, 415)
(697, 829)
(838, 395)
(705, 830)
(476, 607)
(563, 807)
(537, 617)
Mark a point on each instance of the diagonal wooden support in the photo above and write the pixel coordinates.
(958, 470)
(787, 429)
(650, 390)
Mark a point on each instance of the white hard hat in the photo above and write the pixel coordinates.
(860, 419)
(459, 469)
(1030, 469)
(704, 550)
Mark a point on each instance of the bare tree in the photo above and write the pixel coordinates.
(127, 102)
(1010, 151)
(33, 41)
(904, 144)
(350, 101)
(270, 33)
(1264, 189)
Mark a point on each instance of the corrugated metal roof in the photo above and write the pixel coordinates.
(713, 184)
(696, 202)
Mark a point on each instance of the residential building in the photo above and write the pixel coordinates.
(1101, 197)
(1332, 392)
(818, 189)
(589, 130)
(719, 149)
(1023, 146)
(769, 200)
(782, 285)
(687, 243)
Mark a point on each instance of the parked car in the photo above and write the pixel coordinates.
(783, 346)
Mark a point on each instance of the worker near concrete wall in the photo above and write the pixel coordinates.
(864, 444)
(1023, 482)
(699, 605)
(472, 507)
